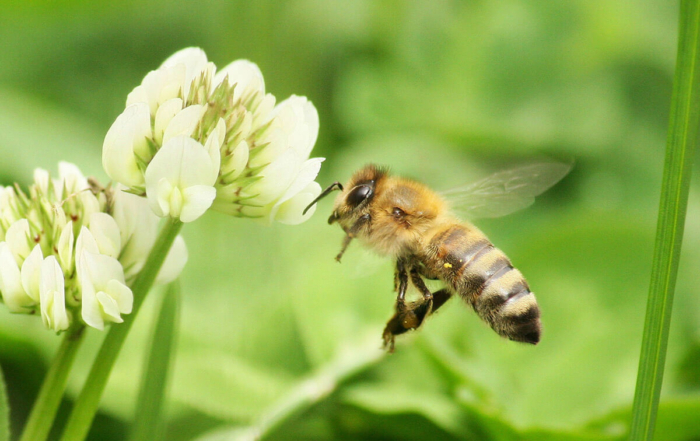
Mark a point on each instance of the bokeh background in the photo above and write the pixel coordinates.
(275, 332)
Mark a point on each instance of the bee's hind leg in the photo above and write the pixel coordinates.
(431, 301)
(411, 316)
(395, 325)
(439, 298)
(420, 284)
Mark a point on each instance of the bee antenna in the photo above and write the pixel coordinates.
(334, 186)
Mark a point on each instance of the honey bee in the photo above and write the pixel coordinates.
(417, 226)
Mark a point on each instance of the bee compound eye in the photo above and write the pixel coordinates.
(358, 194)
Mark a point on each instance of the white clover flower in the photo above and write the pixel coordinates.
(13, 293)
(259, 153)
(125, 148)
(106, 233)
(67, 251)
(180, 179)
(138, 227)
(53, 295)
(174, 262)
(105, 295)
(31, 273)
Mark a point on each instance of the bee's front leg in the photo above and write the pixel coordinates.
(351, 233)
(346, 241)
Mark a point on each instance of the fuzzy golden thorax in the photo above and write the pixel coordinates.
(389, 214)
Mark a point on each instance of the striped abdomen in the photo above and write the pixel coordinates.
(480, 273)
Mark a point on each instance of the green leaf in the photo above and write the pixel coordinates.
(160, 354)
(677, 420)
(301, 395)
(227, 387)
(393, 399)
(4, 411)
(683, 139)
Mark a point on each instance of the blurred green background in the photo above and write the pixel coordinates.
(444, 92)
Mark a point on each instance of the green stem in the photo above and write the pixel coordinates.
(86, 405)
(683, 138)
(46, 405)
(160, 353)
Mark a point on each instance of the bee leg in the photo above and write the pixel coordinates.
(418, 283)
(402, 277)
(346, 241)
(423, 271)
(400, 322)
(420, 309)
(411, 316)
(439, 298)
(405, 319)
(436, 299)
(350, 235)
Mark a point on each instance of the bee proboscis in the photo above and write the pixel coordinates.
(418, 227)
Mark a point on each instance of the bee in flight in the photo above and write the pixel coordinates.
(404, 219)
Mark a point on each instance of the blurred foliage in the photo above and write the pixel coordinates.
(4, 411)
(444, 92)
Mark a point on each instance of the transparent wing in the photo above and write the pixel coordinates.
(505, 192)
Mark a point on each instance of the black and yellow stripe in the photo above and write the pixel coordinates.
(482, 274)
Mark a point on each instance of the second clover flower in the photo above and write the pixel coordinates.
(192, 138)
(69, 250)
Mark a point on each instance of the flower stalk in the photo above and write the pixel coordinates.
(87, 403)
(683, 138)
(47, 403)
(157, 368)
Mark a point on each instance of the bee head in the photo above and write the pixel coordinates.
(355, 195)
(355, 199)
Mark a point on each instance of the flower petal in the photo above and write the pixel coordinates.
(181, 163)
(124, 140)
(86, 242)
(52, 291)
(197, 199)
(298, 118)
(308, 172)
(71, 177)
(276, 178)
(41, 180)
(31, 270)
(213, 144)
(245, 75)
(165, 113)
(11, 283)
(184, 122)
(18, 240)
(195, 62)
(138, 226)
(109, 308)
(106, 233)
(65, 246)
(237, 161)
(122, 295)
(157, 87)
(290, 212)
(174, 262)
(102, 276)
